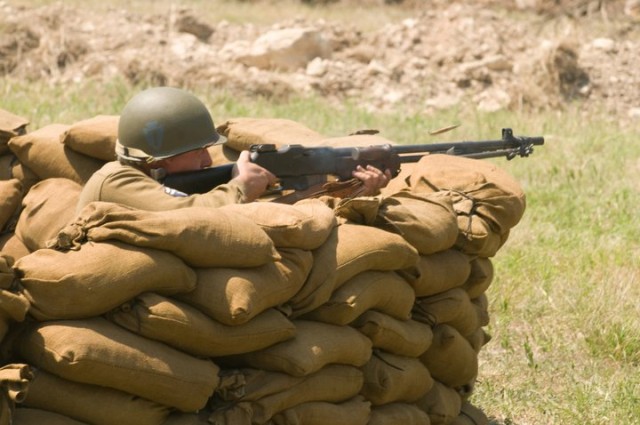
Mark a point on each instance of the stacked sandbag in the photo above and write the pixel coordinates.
(363, 311)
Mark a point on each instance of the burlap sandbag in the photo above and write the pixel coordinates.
(97, 352)
(478, 339)
(95, 137)
(268, 393)
(450, 358)
(352, 412)
(496, 196)
(234, 296)
(12, 246)
(11, 125)
(304, 225)
(398, 414)
(6, 164)
(453, 307)
(10, 197)
(23, 173)
(318, 286)
(47, 208)
(427, 221)
(441, 271)
(202, 237)
(180, 418)
(481, 304)
(442, 403)
(184, 327)
(384, 291)
(242, 132)
(480, 277)
(98, 278)
(43, 153)
(92, 404)
(7, 275)
(30, 416)
(470, 415)
(314, 346)
(14, 383)
(408, 338)
(389, 378)
(13, 308)
(477, 238)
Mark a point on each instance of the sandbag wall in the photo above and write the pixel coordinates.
(363, 311)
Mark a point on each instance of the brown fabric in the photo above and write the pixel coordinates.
(30, 416)
(450, 358)
(98, 278)
(398, 414)
(6, 271)
(268, 393)
(98, 352)
(43, 153)
(234, 296)
(477, 238)
(452, 307)
(201, 237)
(179, 418)
(441, 403)
(352, 412)
(470, 415)
(10, 197)
(10, 125)
(480, 277)
(243, 132)
(362, 248)
(91, 403)
(23, 173)
(384, 291)
(305, 225)
(13, 306)
(95, 137)
(14, 384)
(314, 346)
(126, 185)
(401, 181)
(47, 208)
(478, 339)
(188, 329)
(12, 246)
(318, 286)
(402, 337)
(389, 378)
(6, 164)
(441, 271)
(222, 154)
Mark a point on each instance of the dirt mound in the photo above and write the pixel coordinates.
(491, 54)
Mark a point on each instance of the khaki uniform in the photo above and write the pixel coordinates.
(126, 185)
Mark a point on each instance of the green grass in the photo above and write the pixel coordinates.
(565, 316)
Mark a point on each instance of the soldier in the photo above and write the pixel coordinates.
(167, 130)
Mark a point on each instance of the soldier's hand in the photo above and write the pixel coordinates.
(372, 179)
(253, 179)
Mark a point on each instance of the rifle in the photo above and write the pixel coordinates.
(302, 168)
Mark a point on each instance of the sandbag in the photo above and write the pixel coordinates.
(31, 416)
(476, 237)
(13, 308)
(10, 197)
(97, 352)
(14, 384)
(92, 404)
(441, 271)
(452, 307)
(11, 125)
(98, 278)
(202, 237)
(314, 346)
(43, 153)
(268, 393)
(450, 358)
(7, 275)
(470, 415)
(184, 327)
(398, 413)
(234, 296)
(47, 208)
(11, 168)
(442, 403)
(12, 246)
(304, 225)
(389, 378)
(408, 338)
(352, 412)
(95, 137)
(384, 291)
(480, 277)
(243, 132)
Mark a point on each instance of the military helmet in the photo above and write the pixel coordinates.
(162, 122)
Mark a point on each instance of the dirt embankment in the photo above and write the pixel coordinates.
(492, 54)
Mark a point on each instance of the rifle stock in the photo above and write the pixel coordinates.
(298, 167)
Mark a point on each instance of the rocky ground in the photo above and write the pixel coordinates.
(492, 54)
